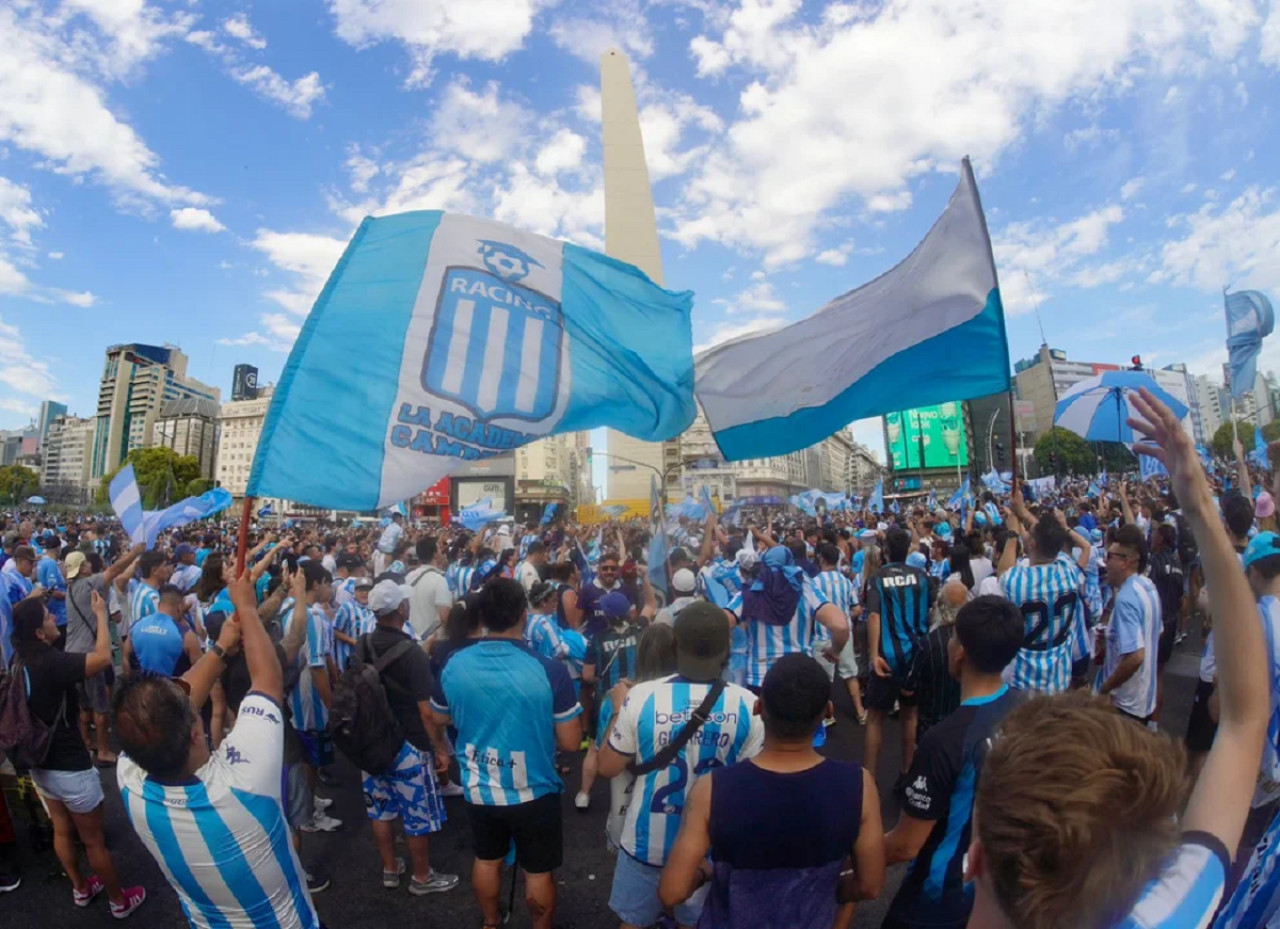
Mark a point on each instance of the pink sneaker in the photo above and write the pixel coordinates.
(92, 888)
(133, 897)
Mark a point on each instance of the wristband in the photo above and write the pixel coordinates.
(218, 652)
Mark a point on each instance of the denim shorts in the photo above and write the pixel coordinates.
(78, 791)
(634, 897)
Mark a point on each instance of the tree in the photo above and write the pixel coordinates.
(1271, 431)
(17, 482)
(198, 486)
(162, 475)
(1225, 436)
(1060, 451)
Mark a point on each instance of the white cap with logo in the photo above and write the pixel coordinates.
(388, 595)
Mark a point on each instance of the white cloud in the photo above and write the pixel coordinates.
(563, 153)
(296, 97)
(1031, 256)
(128, 32)
(1227, 175)
(620, 24)
(77, 298)
(1269, 44)
(758, 297)
(16, 211)
(487, 30)
(194, 219)
(664, 123)
(1188, 187)
(238, 27)
(1237, 244)
(546, 206)
(362, 170)
(21, 372)
(203, 38)
(308, 257)
(832, 256)
(49, 107)
(934, 81)
(480, 125)
(56, 256)
(427, 182)
(1132, 187)
(724, 331)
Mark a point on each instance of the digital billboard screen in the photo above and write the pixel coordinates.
(936, 431)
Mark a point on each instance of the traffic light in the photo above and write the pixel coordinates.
(1137, 362)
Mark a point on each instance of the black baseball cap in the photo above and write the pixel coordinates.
(702, 641)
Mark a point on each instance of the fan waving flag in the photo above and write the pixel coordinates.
(1249, 318)
(441, 339)
(888, 345)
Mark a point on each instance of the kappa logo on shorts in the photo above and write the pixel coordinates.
(495, 344)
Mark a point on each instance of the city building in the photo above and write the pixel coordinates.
(190, 427)
(137, 381)
(49, 411)
(1045, 377)
(18, 445)
(864, 470)
(240, 426)
(1208, 408)
(581, 484)
(64, 466)
(543, 475)
(1178, 383)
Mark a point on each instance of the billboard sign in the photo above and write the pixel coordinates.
(244, 382)
(936, 432)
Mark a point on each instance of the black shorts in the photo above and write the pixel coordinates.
(883, 691)
(1200, 725)
(536, 827)
(1165, 651)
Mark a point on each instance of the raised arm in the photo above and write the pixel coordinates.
(1219, 802)
(99, 659)
(122, 565)
(265, 675)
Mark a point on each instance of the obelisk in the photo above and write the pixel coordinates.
(631, 235)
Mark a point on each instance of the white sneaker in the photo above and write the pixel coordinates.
(321, 822)
(582, 801)
(452, 789)
(322, 804)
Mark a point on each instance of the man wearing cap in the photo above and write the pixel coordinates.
(15, 586)
(683, 585)
(49, 576)
(407, 791)
(648, 717)
(513, 709)
(186, 573)
(353, 619)
(84, 578)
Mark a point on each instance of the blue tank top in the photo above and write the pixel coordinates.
(777, 843)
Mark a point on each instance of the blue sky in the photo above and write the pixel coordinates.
(188, 172)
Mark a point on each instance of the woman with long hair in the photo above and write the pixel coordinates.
(65, 777)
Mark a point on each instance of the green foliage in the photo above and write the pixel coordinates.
(1061, 451)
(1271, 431)
(17, 482)
(198, 486)
(163, 476)
(1223, 438)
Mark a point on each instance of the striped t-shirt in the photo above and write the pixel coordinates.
(1049, 596)
(839, 591)
(767, 643)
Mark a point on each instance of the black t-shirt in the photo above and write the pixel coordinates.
(613, 653)
(407, 681)
(53, 675)
(1167, 576)
(937, 692)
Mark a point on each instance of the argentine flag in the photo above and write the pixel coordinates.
(930, 330)
(443, 339)
(1250, 317)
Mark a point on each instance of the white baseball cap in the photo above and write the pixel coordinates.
(684, 581)
(388, 595)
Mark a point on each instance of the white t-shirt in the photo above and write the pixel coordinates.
(226, 829)
(390, 538)
(990, 586)
(982, 569)
(527, 576)
(430, 594)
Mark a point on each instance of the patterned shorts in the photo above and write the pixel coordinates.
(407, 791)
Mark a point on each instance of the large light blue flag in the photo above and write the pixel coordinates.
(1249, 318)
(961, 492)
(479, 515)
(1149, 467)
(126, 501)
(876, 503)
(891, 344)
(441, 339)
(1258, 457)
(144, 526)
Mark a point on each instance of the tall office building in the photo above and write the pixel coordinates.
(631, 235)
(241, 424)
(64, 464)
(49, 411)
(190, 427)
(137, 380)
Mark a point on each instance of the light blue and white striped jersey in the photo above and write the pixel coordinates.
(1255, 903)
(1135, 623)
(185, 577)
(344, 589)
(1269, 772)
(462, 578)
(840, 591)
(305, 703)
(1187, 892)
(766, 644)
(354, 620)
(1049, 596)
(220, 837)
(652, 714)
(505, 701)
(143, 601)
(525, 541)
(542, 632)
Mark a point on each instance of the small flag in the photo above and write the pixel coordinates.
(1258, 457)
(443, 339)
(127, 503)
(704, 497)
(1093, 489)
(143, 526)
(958, 497)
(933, 499)
(548, 514)
(479, 515)
(615, 509)
(1249, 318)
(890, 344)
(658, 539)
(876, 503)
(1149, 467)
(267, 510)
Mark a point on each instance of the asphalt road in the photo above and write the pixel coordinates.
(357, 899)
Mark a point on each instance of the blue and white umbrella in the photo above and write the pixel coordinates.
(1097, 407)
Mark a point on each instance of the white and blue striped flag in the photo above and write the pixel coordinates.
(143, 526)
(876, 503)
(890, 344)
(958, 497)
(443, 339)
(126, 501)
(658, 551)
(1249, 318)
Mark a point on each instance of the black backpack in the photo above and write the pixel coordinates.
(361, 723)
(1187, 548)
(24, 736)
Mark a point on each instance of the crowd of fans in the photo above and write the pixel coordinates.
(1020, 644)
